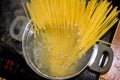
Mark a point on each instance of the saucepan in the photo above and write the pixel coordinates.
(92, 59)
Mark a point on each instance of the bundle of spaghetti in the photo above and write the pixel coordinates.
(64, 30)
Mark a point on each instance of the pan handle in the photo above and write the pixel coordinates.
(101, 58)
(19, 22)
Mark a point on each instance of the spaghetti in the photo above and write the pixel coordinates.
(64, 30)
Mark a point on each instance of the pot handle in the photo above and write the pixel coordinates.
(101, 58)
(19, 22)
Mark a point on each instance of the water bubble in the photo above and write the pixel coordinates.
(78, 33)
(68, 36)
(40, 66)
(44, 28)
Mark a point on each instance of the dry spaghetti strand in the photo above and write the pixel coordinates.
(66, 29)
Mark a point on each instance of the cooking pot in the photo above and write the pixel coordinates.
(93, 58)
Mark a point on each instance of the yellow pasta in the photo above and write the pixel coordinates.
(64, 30)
